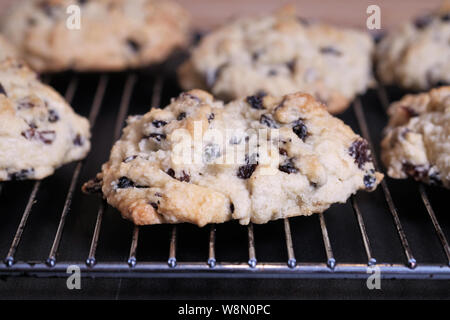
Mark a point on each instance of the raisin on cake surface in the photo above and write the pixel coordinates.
(281, 54)
(39, 131)
(113, 34)
(256, 159)
(417, 141)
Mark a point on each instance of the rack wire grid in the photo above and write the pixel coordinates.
(53, 226)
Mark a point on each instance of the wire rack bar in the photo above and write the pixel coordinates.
(252, 261)
(51, 260)
(71, 89)
(98, 99)
(157, 92)
(362, 228)
(212, 268)
(411, 261)
(383, 96)
(91, 260)
(212, 246)
(230, 270)
(123, 111)
(124, 104)
(133, 249)
(9, 260)
(331, 261)
(437, 227)
(292, 262)
(95, 109)
(172, 261)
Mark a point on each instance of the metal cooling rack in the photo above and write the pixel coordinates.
(212, 266)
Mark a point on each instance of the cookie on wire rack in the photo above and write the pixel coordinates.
(417, 141)
(256, 159)
(280, 54)
(39, 131)
(113, 34)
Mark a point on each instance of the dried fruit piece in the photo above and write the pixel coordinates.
(257, 54)
(300, 129)
(125, 183)
(45, 136)
(2, 90)
(256, 101)
(330, 50)
(157, 136)
(29, 134)
(445, 17)
(133, 45)
(171, 172)
(291, 65)
(360, 151)
(268, 121)
(423, 21)
(246, 171)
(130, 158)
(52, 116)
(418, 172)
(154, 205)
(25, 103)
(78, 140)
(369, 181)
(288, 167)
(22, 174)
(184, 177)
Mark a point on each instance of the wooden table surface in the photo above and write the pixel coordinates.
(209, 13)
